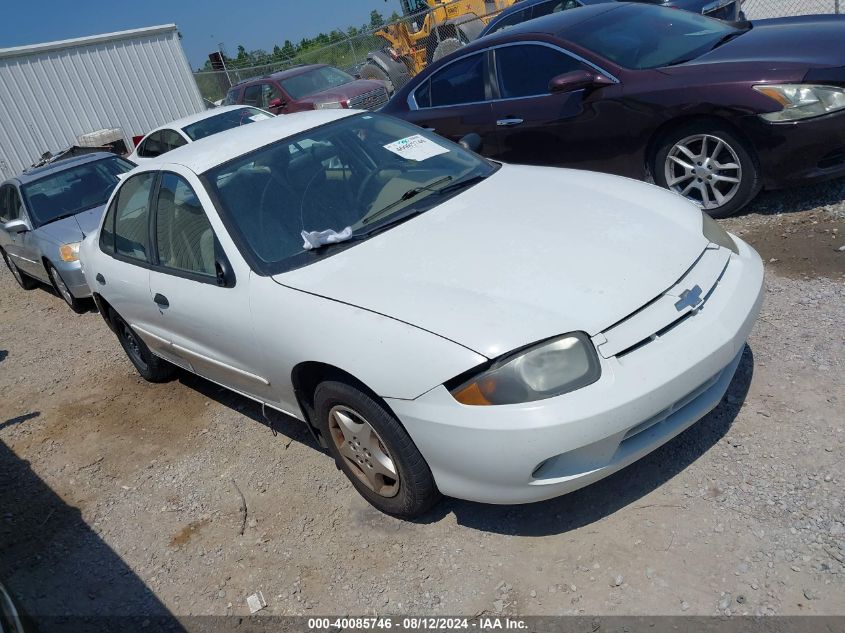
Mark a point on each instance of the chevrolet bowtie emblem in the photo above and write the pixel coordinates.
(689, 298)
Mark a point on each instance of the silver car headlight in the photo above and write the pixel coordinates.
(802, 101)
(551, 368)
(69, 252)
(714, 232)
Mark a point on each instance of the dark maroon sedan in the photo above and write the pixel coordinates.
(311, 87)
(710, 109)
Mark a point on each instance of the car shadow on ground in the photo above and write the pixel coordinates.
(796, 199)
(59, 571)
(593, 503)
(283, 427)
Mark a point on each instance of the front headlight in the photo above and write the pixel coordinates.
(802, 101)
(328, 105)
(69, 252)
(714, 232)
(545, 370)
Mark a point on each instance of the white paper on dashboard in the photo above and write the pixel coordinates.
(416, 147)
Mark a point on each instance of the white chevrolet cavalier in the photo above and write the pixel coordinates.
(443, 323)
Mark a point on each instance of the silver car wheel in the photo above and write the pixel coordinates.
(60, 285)
(365, 452)
(704, 169)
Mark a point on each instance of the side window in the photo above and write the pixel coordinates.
(151, 146)
(131, 217)
(517, 17)
(5, 213)
(423, 95)
(460, 82)
(107, 232)
(15, 206)
(184, 237)
(525, 70)
(268, 93)
(170, 139)
(547, 8)
(252, 95)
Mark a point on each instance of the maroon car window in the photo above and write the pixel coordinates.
(525, 70)
(460, 82)
(252, 95)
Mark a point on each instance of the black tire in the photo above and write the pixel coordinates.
(373, 72)
(734, 146)
(24, 281)
(416, 491)
(77, 305)
(447, 47)
(148, 365)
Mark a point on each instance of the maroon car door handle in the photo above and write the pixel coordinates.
(508, 122)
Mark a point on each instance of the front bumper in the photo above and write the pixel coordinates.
(535, 451)
(74, 278)
(812, 150)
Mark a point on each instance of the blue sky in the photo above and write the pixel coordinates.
(203, 23)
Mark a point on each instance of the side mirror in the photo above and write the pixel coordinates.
(13, 227)
(225, 277)
(471, 141)
(276, 103)
(577, 80)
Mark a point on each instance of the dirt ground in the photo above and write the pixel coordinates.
(121, 497)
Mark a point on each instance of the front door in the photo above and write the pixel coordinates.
(21, 247)
(207, 325)
(537, 127)
(456, 101)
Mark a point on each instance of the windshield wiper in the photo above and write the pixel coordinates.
(411, 193)
(729, 36)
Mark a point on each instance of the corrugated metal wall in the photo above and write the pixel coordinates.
(50, 94)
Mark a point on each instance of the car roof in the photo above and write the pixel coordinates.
(36, 173)
(281, 74)
(211, 151)
(200, 116)
(554, 23)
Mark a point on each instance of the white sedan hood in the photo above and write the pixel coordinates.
(527, 254)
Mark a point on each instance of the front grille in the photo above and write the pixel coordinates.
(721, 10)
(369, 100)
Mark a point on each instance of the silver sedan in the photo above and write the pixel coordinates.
(46, 212)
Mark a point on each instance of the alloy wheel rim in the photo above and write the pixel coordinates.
(704, 169)
(363, 450)
(60, 285)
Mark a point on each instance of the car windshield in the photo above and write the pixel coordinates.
(314, 81)
(73, 190)
(638, 36)
(365, 172)
(224, 121)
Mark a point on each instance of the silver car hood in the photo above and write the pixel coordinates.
(74, 228)
(527, 254)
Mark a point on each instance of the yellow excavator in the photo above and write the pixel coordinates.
(429, 30)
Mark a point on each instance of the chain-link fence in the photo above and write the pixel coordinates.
(758, 9)
(396, 51)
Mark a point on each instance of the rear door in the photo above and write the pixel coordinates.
(537, 127)
(205, 323)
(456, 100)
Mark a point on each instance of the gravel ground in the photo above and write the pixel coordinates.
(123, 497)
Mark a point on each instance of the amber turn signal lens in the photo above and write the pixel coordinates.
(69, 252)
(471, 394)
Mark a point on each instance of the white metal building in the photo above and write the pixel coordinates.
(53, 93)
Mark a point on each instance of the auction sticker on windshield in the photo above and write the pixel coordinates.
(416, 147)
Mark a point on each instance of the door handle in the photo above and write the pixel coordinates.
(100, 279)
(161, 300)
(508, 122)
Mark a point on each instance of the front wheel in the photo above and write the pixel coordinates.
(151, 367)
(77, 305)
(374, 451)
(375, 73)
(709, 165)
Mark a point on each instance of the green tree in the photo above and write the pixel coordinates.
(376, 19)
(394, 17)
